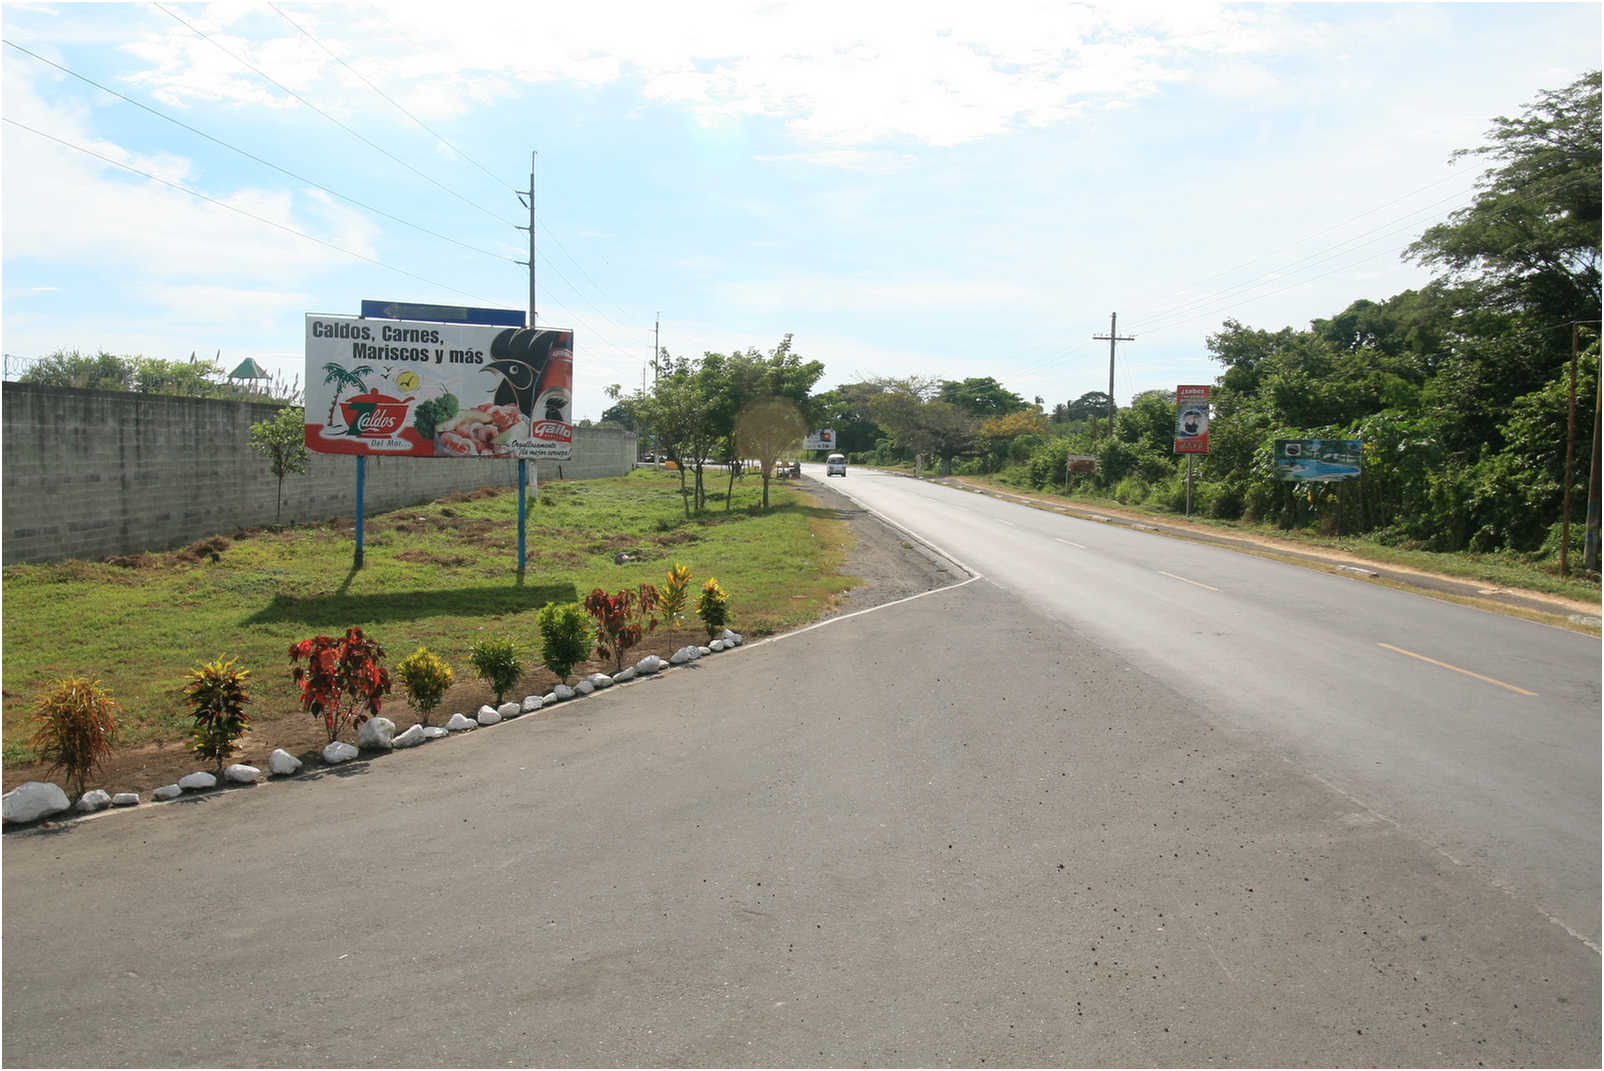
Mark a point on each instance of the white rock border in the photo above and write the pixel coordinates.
(282, 765)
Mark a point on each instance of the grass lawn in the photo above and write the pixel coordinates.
(439, 575)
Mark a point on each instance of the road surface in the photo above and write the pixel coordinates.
(953, 830)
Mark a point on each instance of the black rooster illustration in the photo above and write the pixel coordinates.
(519, 355)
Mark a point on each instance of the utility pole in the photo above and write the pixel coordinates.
(525, 472)
(657, 327)
(528, 198)
(1114, 338)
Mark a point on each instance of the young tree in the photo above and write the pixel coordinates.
(282, 440)
(768, 429)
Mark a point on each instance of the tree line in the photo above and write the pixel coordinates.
(1461, 390)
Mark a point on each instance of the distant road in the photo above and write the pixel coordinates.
(1478, 732)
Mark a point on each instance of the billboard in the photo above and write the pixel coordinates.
(819, 440)
(1192, 420)
(400, 388)
(1318, 460)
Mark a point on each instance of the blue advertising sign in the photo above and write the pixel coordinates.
(445, 314)
(1318, 460)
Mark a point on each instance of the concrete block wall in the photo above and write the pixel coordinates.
(90, 473)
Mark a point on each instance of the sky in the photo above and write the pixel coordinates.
(940, 189)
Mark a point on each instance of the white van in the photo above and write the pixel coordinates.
(835, 465)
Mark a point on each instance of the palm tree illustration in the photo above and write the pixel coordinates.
(343, 379)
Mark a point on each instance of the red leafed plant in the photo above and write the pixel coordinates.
(621, 619)
(342, 680)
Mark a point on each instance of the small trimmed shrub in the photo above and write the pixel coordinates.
(676, 596)
(341, 678)
(425, 677)
(495, 659)
(564, 637)
(217, 694)
(78, 725)
(712, 607)
(620, 620)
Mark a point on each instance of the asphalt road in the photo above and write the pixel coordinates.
(1477, 732)
(954, 830)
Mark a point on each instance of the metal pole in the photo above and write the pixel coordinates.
(1570, 462)
(361, 472)
(1590, 556)
(532, 156)
(1189, 486)
(523, 480)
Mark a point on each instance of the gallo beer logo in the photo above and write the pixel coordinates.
(553, 430)
(374, 415)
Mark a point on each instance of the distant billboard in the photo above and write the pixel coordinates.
(819, 440)
(1318, 460)
(398, 388)
(1192, 420)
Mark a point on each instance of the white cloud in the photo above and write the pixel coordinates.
(838, 73)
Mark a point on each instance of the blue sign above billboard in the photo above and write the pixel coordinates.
(445, 314)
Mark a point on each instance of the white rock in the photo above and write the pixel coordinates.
(684, 655)
(125, 799)
(167, 792)
(33, 799)
(198, 780)
(482, 711)
(625, 675)
(600, 680)
(461, 723)
(716, 645)
(533, 703)
(510, 710)
(434, 732)
(488, 716)
(96, 799)
(282, 762)
(411, 738)
(562, 691)
(376, 734)
(731, 639)
(703, 651)
(650, 664)
(339, 752)
(548, 699)
(243, 774)
(584, 687)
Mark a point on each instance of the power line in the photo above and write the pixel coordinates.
(236, 209)
(252, 156)
(377, 148)
(398, 107)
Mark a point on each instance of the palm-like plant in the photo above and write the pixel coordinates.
(343, 379)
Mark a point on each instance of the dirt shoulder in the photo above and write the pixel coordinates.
(1552, 609)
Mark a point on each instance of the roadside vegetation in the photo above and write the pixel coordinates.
(1461, 391)
(441, 576)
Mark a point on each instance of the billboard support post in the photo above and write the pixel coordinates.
(523, 490)
(361, 472)
(1189, 486)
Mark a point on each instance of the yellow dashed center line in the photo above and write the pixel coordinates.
(1456, 669)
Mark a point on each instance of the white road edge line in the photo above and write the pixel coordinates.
(1070, 543)
(1194, 583)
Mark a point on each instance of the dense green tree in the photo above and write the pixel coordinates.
(983, 397)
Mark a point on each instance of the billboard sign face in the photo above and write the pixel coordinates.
(819, 440)
(396, 388)
(1318, 460)
(1191, 420)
